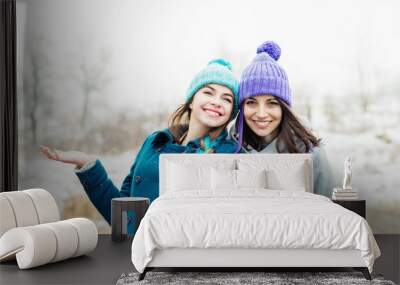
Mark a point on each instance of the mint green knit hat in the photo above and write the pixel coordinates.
(218, 71)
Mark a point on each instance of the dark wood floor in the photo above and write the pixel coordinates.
(110, 260)
(389, 262)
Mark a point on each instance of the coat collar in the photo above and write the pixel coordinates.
(165, 136)
(162, 137)
(270, 148)
(195, 144)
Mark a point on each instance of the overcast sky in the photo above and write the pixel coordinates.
(157, 46)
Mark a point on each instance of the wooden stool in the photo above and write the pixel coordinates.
(119, 205)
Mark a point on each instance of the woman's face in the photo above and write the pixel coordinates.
(212, 105)
(262, 114)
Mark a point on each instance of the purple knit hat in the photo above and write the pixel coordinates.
(263, 76)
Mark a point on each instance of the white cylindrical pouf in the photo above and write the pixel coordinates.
(7, 218)
(34, 245)
(46, 206)
(87, 234)
(23, 208)
(40, 244)
(67, 239)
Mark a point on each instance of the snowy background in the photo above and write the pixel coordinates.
(99, 76)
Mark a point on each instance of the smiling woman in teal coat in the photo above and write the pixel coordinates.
(211, 103)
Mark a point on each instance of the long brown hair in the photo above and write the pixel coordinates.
(293, 136)
(178, 123)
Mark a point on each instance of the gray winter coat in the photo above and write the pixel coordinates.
(322, 171)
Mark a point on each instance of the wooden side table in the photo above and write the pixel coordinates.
(119, 205)
(357, 206)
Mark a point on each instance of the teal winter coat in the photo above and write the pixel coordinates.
(143, 177)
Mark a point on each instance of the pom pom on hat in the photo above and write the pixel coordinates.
(222, 62)
(271, 48)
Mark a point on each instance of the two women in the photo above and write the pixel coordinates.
(265, 124)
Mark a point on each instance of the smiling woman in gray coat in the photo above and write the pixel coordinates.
(266, 122)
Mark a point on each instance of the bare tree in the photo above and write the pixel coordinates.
(364, 66)
(308, 109)
(303, 105)
(334, 120)
(93, 78)
(363, 90)
(35, 83)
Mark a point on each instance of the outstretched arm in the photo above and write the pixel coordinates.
(94, 178)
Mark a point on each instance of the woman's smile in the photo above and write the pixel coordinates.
(262, 124)
(212, 112)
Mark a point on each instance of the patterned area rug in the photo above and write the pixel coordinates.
(273, 278)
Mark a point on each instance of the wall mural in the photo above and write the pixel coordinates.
(100, 84)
